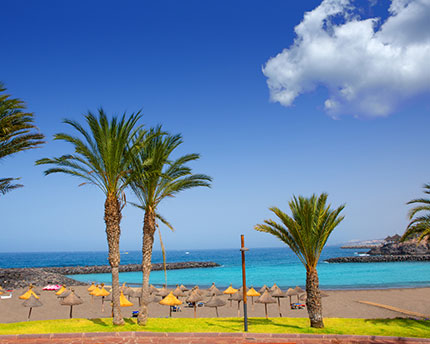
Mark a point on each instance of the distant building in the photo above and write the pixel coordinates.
(393, 239)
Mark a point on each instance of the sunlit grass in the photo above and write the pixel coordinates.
(380, 327)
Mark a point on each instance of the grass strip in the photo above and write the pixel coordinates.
(379, 327)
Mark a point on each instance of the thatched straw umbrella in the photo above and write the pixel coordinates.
(103, 293)
(123, 302)
(238, 296)
(91, 287)
(163, 292)
(266, 298)
(252, 293)
(61, 290)
(273, 288)
(136, 293)
(277, 293)
(214, 291)
(183, 288)
(215, 302)
(64, 294)
(194, 298)
(178, 292)
(71, 300)
(170, 300)
(230, 291)
(153, 290)
(291, 292)
(299, 292)
(263, 289)
(31, 302)
(154, 298)
(29, 293)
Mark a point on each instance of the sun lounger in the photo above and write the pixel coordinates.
(6, 296)
(297, 306)
(176, 309)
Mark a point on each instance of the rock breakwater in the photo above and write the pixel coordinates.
(22, 277)
(380, 259)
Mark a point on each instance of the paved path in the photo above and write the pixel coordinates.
(201, 338)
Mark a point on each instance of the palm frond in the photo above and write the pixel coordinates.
(419, 226)
(308, 228)
(6, 185)
(102, 153)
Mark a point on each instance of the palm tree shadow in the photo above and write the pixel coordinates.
(239, 322)
(130, 321)
(98, 321)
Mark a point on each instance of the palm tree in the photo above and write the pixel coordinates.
(306, 233)
(419, 225)
(17, 133)
(156, 177)
(102, 157)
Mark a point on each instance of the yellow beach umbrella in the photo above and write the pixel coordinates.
(61, 290)
(28, 294)
(251, 293)
(123, 302)
(170, 300)
(103, 292)
(95, 291)
(230, 291)
(91, 287)
(1, 290)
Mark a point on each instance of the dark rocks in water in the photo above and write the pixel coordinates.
(380, 259)
(410, 247)
(22, 277)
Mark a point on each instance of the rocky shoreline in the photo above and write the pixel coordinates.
(22, 277)
(380, 259)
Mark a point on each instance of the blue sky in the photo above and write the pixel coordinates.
(201, 69)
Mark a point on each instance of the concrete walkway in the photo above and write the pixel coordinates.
(200, 338)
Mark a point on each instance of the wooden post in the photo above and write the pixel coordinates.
(243, 249)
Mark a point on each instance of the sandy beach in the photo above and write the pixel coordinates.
(339, 304)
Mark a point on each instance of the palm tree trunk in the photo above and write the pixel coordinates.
(148, 242)
(313, 299)
(113, 231)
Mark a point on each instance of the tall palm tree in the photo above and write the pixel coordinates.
(306, 232)
(17, 133)
(156, 177)
(419, 225)
(102, 157)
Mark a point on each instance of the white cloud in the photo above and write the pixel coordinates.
(367, 71)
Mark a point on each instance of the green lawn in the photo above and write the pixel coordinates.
(381, 327)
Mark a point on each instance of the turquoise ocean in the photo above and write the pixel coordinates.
(263, 266)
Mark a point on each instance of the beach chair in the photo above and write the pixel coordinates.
(6, 296)
(298, 306)
(176, 309)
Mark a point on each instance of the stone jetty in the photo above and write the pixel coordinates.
(22, 277)
(380, 259)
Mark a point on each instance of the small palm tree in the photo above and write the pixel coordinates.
(17, 133)
(420, 225)
(156, 177)
(306, 232)
(103, 158)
